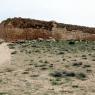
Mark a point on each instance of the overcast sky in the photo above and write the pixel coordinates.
(80, 12)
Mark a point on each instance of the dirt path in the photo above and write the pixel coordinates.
(5, 54)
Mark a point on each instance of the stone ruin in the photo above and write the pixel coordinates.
(14, 29)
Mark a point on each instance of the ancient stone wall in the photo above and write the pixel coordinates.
(26, 29)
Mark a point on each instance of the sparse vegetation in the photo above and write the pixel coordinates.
(64, 74)
(3, 93)
(86, 66)
(81, 76)
(52, 67)
(77, 64)
(56, 81)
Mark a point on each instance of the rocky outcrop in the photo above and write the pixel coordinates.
(26, 29)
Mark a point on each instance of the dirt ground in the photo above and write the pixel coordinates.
(5, 54)
(47, 68)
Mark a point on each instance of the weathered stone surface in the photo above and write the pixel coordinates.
(26, 29)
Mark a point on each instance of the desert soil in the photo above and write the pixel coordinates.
(47, 68)
(5, 54)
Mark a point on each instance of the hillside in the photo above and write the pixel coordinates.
(14, 29)
(47, 68)
(62, 64)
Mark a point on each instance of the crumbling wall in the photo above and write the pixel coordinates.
(15, 34)
(26, 29)
(76, 27)
(63, 33)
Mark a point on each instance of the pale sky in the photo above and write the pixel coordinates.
(80, 12)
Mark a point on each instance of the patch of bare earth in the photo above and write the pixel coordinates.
(5, 54)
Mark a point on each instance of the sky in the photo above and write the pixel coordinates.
(79, 12)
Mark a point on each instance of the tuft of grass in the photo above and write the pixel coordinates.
(68, 74)
(89, 71)
(86, 66)
(84, 57)
(61, 52)
(25, 72)
(14, 52)
(81, 76)
(37, 51)
(93, 59)
(77, 64)
(46, 62)
(56, 81)
(62, 74)
(75, 86)
(56, 74)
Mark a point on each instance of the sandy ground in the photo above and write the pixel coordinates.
(5, 54)
(32, 64)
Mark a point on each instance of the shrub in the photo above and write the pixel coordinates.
(56, 81)
(61, 52)
(81, 76)
(93, 59)
(63, 74)
(69, 74)
(56, 74)
(25, 72)
(14, 52)
(77, 64)
(46, 62)
(84, 57)
(51, 65)
(75, 86)
(71, 42)
(86, 66)
(89, 71)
